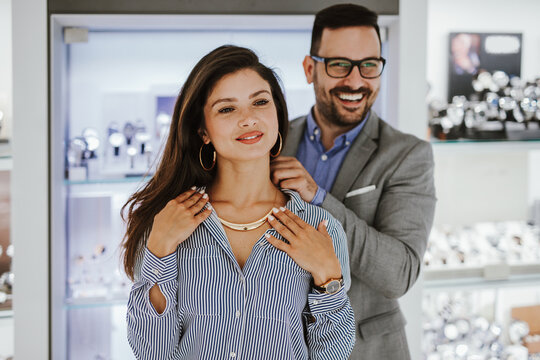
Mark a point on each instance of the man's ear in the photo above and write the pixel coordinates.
(204, 136)
(309, 68)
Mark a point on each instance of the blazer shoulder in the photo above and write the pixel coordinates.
(389, 136)
(298, 121)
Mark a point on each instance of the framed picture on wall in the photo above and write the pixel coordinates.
(470, 53)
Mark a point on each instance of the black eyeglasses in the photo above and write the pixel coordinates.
(370, 68)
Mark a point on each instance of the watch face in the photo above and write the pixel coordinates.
(333, 287)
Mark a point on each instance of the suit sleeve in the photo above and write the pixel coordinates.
(387, 256)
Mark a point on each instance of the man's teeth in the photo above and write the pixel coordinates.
(351, 97)
(249, 138)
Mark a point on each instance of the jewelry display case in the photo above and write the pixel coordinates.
(483, 256)
(114, 80)
(482, 265)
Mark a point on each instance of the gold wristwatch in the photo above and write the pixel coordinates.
(332, 286)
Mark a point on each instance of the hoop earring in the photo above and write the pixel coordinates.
(280, 145)
(200, 159)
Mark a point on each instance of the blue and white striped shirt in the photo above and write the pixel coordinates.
(216, 310)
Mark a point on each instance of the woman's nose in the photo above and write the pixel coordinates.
(247, 119)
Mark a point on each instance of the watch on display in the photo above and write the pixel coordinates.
(332, 286)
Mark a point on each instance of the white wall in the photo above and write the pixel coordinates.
(5, 67)
(480, 16)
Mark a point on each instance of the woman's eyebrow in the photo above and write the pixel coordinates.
(257, 93)
(224, 100)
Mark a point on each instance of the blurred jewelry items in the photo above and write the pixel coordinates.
(501, 108)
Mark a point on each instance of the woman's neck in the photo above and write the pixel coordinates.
(243, 184)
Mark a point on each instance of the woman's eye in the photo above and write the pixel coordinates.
(225, 110)
(261, 102)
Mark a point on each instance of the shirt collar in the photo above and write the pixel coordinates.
(295, 203)
(348, 137)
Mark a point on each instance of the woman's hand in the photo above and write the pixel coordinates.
(312, 249)
(177, 221)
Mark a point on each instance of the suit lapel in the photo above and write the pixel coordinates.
(294, 136)
(361, 151)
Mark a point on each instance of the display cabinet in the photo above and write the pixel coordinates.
(482, 267)
(114, 80)
(483, 258)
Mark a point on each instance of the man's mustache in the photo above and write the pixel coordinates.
(362, 90)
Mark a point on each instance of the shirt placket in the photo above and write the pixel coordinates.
(236, 339)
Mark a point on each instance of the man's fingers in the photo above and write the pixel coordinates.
(287, 173)
(278, 244)
(292, 184)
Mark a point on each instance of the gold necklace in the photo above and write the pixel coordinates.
(245, 227)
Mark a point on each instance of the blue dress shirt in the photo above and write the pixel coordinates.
(323, 165)
(217, 310)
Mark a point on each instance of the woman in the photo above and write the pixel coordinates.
(226, 265)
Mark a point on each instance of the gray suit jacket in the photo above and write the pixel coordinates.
(387, 228)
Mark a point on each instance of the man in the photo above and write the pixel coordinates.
(376, 180)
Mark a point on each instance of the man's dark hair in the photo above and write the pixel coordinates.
(339, 16)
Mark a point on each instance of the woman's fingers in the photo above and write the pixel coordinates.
(288, 219)
(301, 223)
(189, 202)
(200, 217)
(185, 195)
(199, 204)
(281, 228)
(278, 244)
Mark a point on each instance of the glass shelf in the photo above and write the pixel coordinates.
(123, 180)
(484, 145)
(86, 303)
(6, 314)
(477, 278)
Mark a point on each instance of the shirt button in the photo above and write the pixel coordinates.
(311, 137)
(156, 272)
(315, 302)
(347, 143)
(324, 157)
(233, 354)
(237, 314)
(242, 279)
(316, 131)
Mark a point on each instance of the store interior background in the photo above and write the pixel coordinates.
(475, 183)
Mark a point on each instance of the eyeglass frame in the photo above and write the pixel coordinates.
(354, 63)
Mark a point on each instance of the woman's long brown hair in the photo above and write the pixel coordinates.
(179, 167)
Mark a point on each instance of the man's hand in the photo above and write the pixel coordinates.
(288, 173)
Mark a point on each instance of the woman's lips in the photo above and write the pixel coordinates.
(250, 137)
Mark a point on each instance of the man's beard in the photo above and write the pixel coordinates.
(328, 108)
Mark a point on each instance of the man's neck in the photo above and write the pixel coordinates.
(329, 131)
